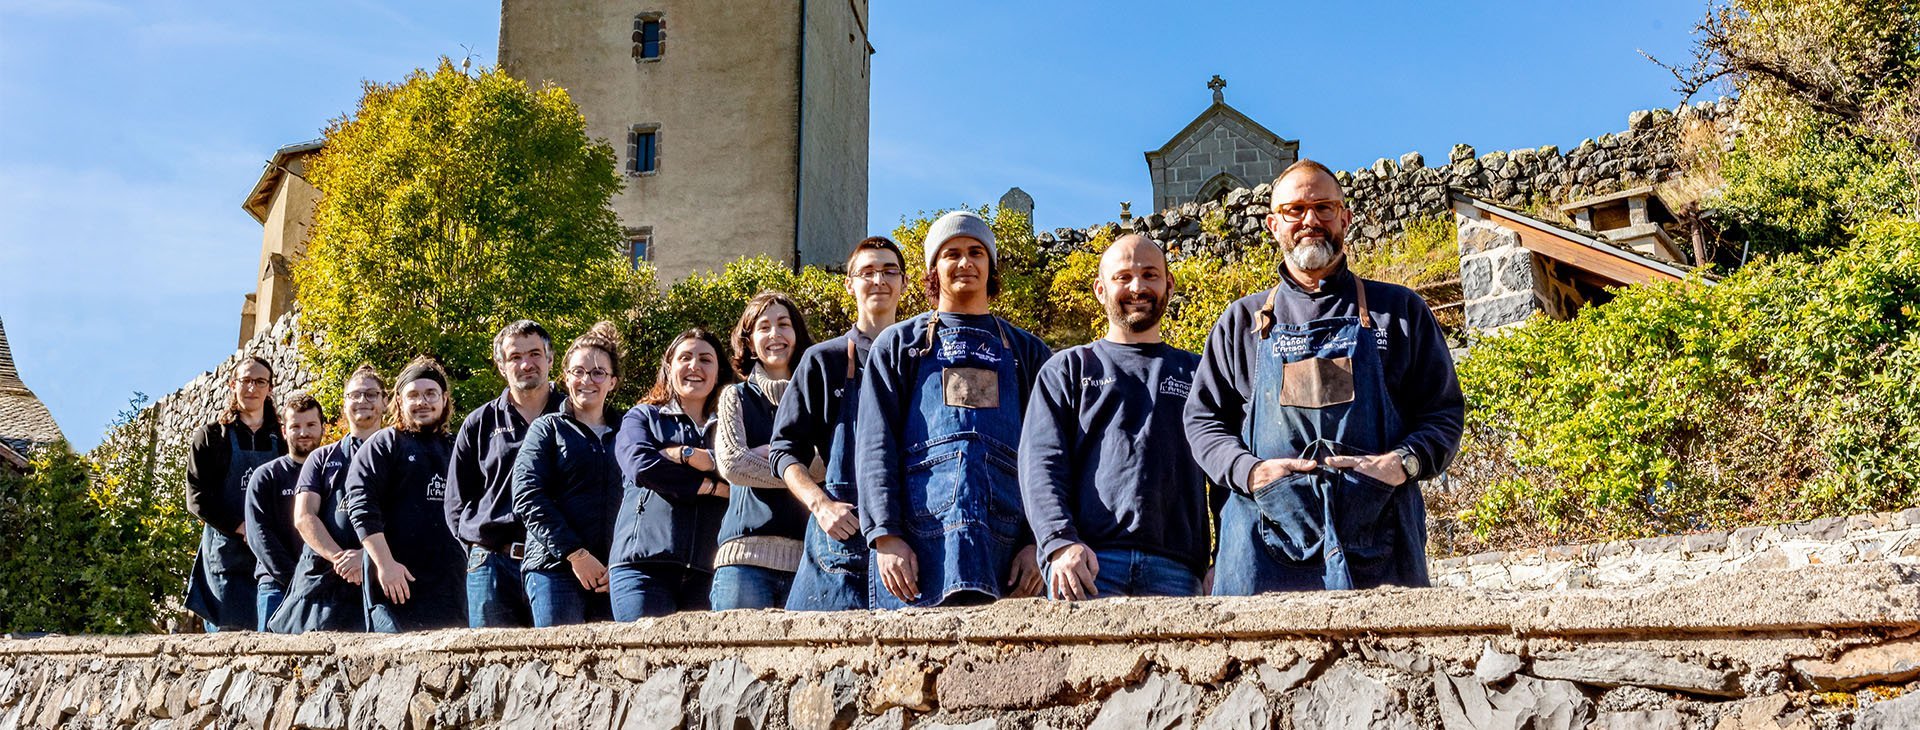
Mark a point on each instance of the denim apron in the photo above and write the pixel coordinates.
(1320, 391)
(833, 573)
(319, 599)
(962, 484)
(221, 589)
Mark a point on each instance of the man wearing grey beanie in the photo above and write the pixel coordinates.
(939, 496)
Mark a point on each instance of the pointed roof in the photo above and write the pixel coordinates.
(1220, 108)
(25, 422)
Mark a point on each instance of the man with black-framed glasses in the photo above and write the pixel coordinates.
(1321, 403)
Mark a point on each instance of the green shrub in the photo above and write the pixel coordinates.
(1786, 392)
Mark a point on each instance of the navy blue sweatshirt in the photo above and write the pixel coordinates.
(566, 490)
(887, 392)
(1419, 373)
(1104, 458)
(480, 485)
(662, 518)
(270, 520)
(325, 474)
(810, 410)
(396, 485)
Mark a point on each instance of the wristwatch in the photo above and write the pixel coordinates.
(1409, 462)
(686, 454)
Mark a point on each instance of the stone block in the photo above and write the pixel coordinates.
(1465, 703)
(1495, 666)
(1603, 666)
(1831, 528)
(1705, 542)
(1492, 312)
(1657, 545)
(1902, 712)
(1476, 272)
(1640, 720)
(1295, 672)
(907, 684)
(657, 704)
(1246, 708)
(1889, 663)
(1343, 698)
(1157, 703)
(828, 702)
(1024, 680)
(1516, 271)
(734, 697)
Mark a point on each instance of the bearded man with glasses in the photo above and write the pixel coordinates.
(1321, 403)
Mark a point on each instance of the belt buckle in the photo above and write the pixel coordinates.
(517, 550)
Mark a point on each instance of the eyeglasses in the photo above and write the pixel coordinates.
(254, 382)
(1296, 212)
(878, 277)
(596, 375)
(363, 395)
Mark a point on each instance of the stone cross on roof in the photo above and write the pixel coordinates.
(1218, 84)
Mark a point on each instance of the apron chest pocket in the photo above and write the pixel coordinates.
(1317, 382)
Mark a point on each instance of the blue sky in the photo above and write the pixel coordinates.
(130, 130)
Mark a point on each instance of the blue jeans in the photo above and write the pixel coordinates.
(496, 598)
(656, 589)
(750, 586)
(267, 599)
(556, 599)
(1137, 573)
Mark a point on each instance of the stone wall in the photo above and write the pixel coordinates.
(1817, 647)
(201, 400)
(1388, 194)
(1857, 539)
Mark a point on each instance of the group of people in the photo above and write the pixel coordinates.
(947, 459)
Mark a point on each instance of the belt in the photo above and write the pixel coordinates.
(516, 550)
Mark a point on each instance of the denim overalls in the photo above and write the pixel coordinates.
(319, 599)
(964, 513)
(1331, 529)
(833, 574)
(222, 589)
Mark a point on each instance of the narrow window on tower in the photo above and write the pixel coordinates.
(639, 245)
(643, 149)
(649, 36)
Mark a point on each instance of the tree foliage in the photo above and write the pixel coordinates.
(96, 543)
(451, 205)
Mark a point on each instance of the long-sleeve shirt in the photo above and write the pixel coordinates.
(810, 409)
(276, 546)
(888, 393)
(1419, 373)
(210, 453)
(743, 459)
(479, 506)
(1104, 458)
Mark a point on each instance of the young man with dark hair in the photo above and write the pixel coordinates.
(815, 422)
(223, 455)
(1116, 502)
(1321, 403)
(269, 509)
(395, 490)
(479, 485)
(325, 594)
(940, 413)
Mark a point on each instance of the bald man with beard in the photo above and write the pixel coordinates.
(1117, 505)
(1321, 403)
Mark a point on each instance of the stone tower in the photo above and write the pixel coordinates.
(1218, 151)
(25, 422)
(740, 126)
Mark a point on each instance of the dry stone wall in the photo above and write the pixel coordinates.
(1390, 193)
(1816, 647)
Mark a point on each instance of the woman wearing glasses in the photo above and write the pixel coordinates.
(566, 488)
(760, 544)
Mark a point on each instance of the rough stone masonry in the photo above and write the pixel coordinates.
(1815, 647)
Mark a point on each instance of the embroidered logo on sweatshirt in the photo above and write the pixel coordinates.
(437, 489)
(1175, 387)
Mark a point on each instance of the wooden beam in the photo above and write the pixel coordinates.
(1616, 266)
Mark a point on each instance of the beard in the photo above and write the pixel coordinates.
(1318, 255)
(300, 449)
(1134, 319)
